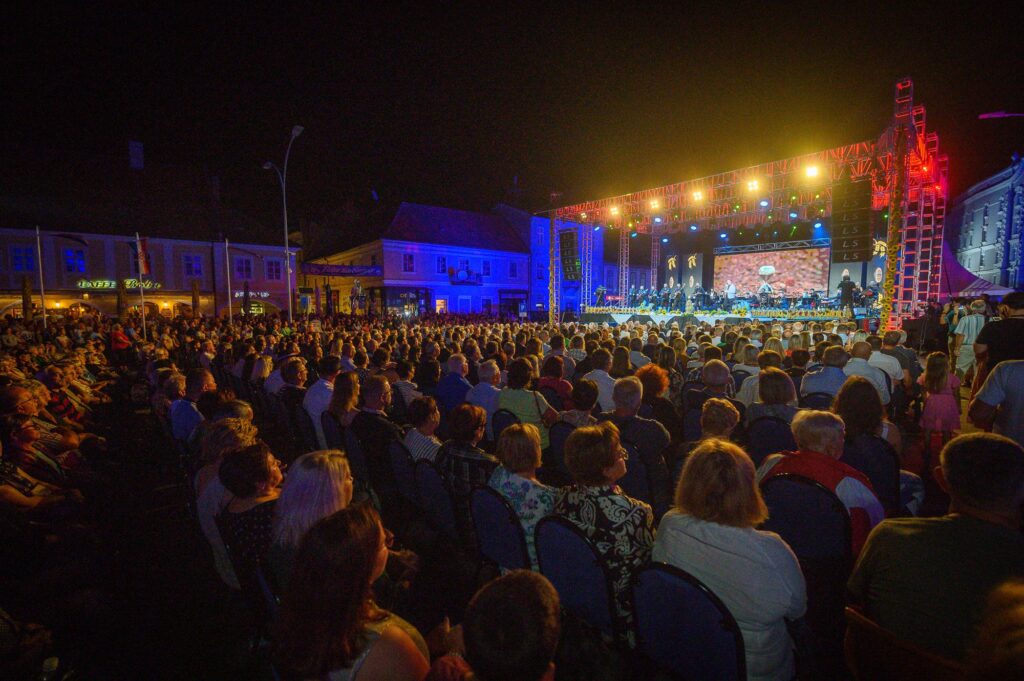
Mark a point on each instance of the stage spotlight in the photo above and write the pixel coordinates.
(693, 228)
(723, 235)
(664, 239)
(812, 171)
(764, 203)
(793, 215)
(752, 185)
(614, 210)
(583, 216)
(597, 228)
(817, 225)
(697, 196)
(775, 233)
(657, 220)
(633, 234)
(654, 204)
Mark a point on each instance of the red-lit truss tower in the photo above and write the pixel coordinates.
(908, 180)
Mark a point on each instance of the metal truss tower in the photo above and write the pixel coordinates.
(587, 266)
(623, 263)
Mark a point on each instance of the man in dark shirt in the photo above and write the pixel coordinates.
(375, 431)
(846, 289)
(1004, 339)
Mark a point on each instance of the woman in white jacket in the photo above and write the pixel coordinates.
(710, 533)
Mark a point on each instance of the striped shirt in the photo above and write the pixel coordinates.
(421, 446)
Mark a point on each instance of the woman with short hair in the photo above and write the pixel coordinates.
(329, 626)
(529, 406)
(319, 484)
(711, 534)
(516, 479)
(252, 475)
(776, 397)
(621, 366)
(622, 528)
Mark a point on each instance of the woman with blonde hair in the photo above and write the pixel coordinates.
(711, 534)
(516, 479)
(319, 484)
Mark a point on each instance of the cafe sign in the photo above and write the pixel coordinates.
(111, 284)
(253, 294)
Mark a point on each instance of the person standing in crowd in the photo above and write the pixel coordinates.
(941, 413)
(964, 335)
(1000, 340)
(999, 405)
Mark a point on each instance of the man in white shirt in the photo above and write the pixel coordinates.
(485, 394)
(318, 396)
(601, 360)
(887, 363)
(966, 332)
(858, 366)
(558, 350)
(347, 353)
(636, 353)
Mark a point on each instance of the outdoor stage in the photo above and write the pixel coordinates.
(618, 315)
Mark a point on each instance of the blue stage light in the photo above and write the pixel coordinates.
(664, 239)
(723, 235)
(657, 220)
(817, 225)
(793, 215)
(764, 203)
(693, 228)
(597, 228)
(633, 234)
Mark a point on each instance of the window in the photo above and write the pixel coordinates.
(981, 259)
(408, 262)
(243, 268)
(273, 269)
(463, 264)
(465, 304)
(513, 269)
(442, 265)
(542, 271)
(23, 259)
(192, 265)
(486, 305)
(74, 261)
(485, 268)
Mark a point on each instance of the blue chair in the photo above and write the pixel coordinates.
(499, 533)
(821, 401)
(683, 628)
(501, 420)
(739, 376)
(578, 572)
(404, 469)
(305, 432)
(555, 469)
(636, 482)
(334, 434)
(435, 497)
(768, 435)
(356, 458)
(691, 425)
(876, 458)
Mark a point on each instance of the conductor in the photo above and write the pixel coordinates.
(846, 290)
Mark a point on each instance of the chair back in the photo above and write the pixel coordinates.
(334, 434)
(577, 571)
(305, 431)
(435, 496)
(501, 420)
(399, 409)
(808, 516)
(552, 396)
(499, 533)
(683, 628)
(555, 465)
(636, 482)
(691, 425)
(817, 401)
(739, 376)
(768, 435)
(404, 469)
(874, 653)
(356, 457)
(876, 458)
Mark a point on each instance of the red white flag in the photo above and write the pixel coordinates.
(143, 255)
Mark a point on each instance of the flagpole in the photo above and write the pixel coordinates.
(140, 259)
(227, 274)
(39, 265)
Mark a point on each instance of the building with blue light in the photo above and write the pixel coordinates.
(985, 224)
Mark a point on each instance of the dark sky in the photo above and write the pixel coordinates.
(446, 106)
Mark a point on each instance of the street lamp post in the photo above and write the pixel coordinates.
(282, 177)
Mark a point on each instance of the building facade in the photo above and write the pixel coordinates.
(81, 271)
(986, 223)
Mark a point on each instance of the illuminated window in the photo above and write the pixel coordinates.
(243, 268)
(463, 264)
(442, 265)
(23, 259)
(273, 269)
(408, 262)
(192, 265)
(74, 260)
(485, 268)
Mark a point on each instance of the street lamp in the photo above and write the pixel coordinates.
(282, 176)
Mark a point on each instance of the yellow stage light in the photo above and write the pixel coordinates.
(752, 185)
(654, 204)
(697, 196)
(583, 216)
(615, 210)
(812, 171)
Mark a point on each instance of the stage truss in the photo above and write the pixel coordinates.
(801, 185)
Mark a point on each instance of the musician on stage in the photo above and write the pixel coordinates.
(664, 296)
(846, 290)
(677, 298)
(730, 290)
(765, 288)
(631, 300)
(641, 296)
(700, 297)
(599, 296)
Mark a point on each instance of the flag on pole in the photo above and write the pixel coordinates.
(143, 255)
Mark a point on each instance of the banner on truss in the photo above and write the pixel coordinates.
(321, 270)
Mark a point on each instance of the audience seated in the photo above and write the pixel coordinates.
(711, 533)
(452, 388)
(747, 393)
(529, 406)
(486, 393)
(461, 462)
(776, 396)
(926, 579)
(584, 397)
(829, 377)
(425, 418)
(344, 398)
(252, 475)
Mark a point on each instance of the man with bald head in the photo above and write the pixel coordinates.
(858, 366)
(829, 377)
(716, 378)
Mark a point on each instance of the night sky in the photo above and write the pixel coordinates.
(447, 106)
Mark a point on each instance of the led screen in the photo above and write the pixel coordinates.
(796, 270)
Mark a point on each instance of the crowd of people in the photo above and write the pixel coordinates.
(697, 447)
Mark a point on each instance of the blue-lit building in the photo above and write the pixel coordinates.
(985, 225)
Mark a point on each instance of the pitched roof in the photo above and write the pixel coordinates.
(451, 227)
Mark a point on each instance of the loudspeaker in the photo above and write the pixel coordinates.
(851, 222)
(567, 248)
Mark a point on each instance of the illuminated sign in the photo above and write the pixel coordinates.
(672, 262)
(99, 284)
(253, 294)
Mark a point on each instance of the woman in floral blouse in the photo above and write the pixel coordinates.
(622, 528)
(516, 479)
